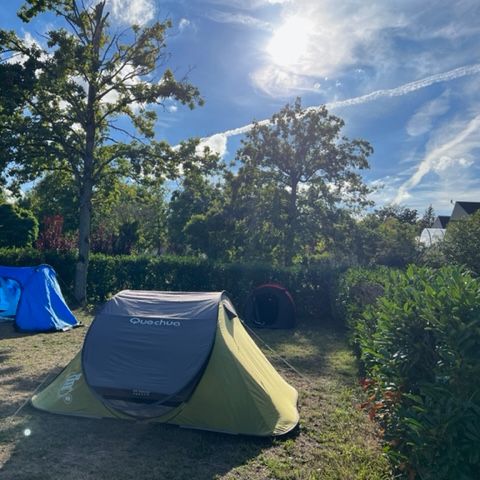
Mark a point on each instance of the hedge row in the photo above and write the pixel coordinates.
(418, 337)
(107, 275)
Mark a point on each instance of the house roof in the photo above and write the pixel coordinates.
(463, 209)
(470, 207)
(441, 221)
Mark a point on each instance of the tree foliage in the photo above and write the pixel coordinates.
(399, 212)
(55, 194)
(187, 210)
(18, 227)
(461, 242)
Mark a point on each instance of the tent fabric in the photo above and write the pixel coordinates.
(40, 306)
(237, 391)
(9, 296)
(270, 306)
(115, 366)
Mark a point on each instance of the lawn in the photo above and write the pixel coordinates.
(335, 440)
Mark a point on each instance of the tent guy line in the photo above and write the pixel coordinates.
(48, 376)
(404, 89)
(285, 361)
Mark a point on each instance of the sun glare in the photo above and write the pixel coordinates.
(289, 43)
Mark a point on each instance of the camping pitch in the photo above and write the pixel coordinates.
(31, 297)
(174, 357)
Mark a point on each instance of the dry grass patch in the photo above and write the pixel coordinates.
(335, 440)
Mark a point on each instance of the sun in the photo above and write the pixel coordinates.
(289, 43)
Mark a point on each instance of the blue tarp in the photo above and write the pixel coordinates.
(33, 297)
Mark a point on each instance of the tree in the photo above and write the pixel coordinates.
(461, 242)
(407, 215)
(303, 153)
(385, 240)
(399, 212)
(55, 194)
(82, 90)
(194, 198)
(129, 217)
(18, 227)
(427, 219)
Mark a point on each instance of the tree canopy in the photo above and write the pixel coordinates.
(307, 168)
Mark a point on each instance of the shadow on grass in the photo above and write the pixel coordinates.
(7, 331)
(16, 388)
(78, 448)
(310, 350)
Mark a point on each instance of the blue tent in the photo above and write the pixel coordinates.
(31, 296)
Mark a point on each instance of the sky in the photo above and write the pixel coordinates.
(403, 74)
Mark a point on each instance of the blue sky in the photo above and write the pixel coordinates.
(403, 74)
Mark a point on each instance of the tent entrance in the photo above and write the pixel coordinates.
(267, 308)
(270, 306)
(10, 292)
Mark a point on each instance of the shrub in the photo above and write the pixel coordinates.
(420, 345)
(354, 290)
(109, 274)
(52, 236)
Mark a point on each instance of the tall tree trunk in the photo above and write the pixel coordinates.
(291, 226)
(81, 268)
(86, 187)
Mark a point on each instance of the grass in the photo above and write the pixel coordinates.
(335, 439)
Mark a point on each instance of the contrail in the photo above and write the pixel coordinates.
(370, 97)
(428, 163)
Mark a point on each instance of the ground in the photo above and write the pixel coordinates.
(335, 439)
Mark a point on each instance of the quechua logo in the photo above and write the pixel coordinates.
(154, 323)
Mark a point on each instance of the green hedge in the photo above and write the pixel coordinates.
(419, 342)
(107, 275)
(354, 290)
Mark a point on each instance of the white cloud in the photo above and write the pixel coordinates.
(131, 12)
(172, 108)
(217, 143)
(352, 34)
(342, 33)
(439, 192)
(248, 4)
(113, 95)
(30, 42)
(238, 18)
(278, 82)
(445, 162)
(183, 24)
(421, 122)
(452, 147)
(77, 127)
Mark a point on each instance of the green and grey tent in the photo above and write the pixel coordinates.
(174, 357)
